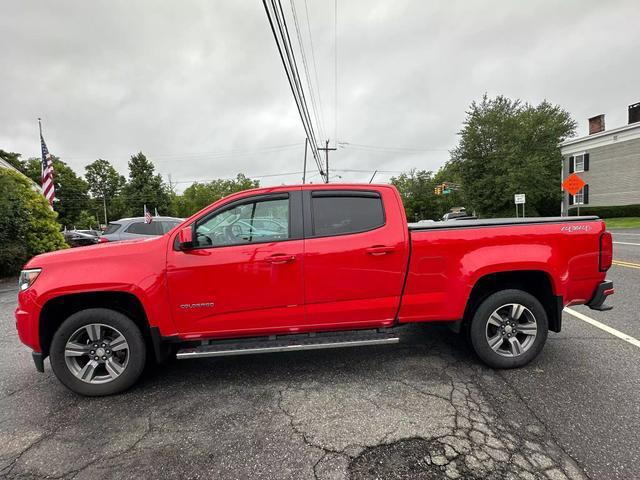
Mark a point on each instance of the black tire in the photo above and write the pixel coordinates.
(478, 328)
(136, 354)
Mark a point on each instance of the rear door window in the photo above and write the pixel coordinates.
(141, 228)
(336, 213)
(111, 228)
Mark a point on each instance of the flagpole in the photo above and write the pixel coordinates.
(40, 125)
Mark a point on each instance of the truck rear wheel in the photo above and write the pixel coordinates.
(98, 352)
(509, 329)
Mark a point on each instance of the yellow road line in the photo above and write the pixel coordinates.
(626, 264)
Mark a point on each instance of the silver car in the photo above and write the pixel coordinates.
(130, 228)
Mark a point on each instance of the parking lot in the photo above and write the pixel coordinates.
(423, 409)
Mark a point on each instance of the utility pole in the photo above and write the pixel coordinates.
(304, 173)
(104, 204)
(326, 151)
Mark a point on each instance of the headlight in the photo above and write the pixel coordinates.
(27, 277)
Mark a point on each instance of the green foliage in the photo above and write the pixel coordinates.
(86, 221)
(72, 191)
(507, 147)
(144, 187)
(608, 212)
(28, 226)
(199, 195)
(417, 189)
(105, 184)
(13, 159)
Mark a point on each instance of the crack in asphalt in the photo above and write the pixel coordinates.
(325, 450)
(6, 471)
(548, 431)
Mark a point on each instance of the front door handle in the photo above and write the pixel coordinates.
(379, 250)
(280, 258)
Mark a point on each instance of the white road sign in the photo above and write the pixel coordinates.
(519, 198)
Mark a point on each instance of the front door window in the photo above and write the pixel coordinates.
(255, 222)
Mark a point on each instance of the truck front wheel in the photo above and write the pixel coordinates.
(509, 329)
(98, 352)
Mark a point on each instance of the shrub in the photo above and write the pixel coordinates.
(608, 212)
(28, 226)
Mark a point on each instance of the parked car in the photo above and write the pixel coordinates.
(130, 228)
(346, 270)
(458, 215)
(81, 238)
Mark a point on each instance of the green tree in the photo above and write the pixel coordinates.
(509, 147)
(105, 184)
(13, 159)
(145, 187)
(416, 188)
(72, 191)
(28, 226)
(86, 220)
(199, 195)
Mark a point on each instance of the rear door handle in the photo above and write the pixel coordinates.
(379, 250)
(280, 258)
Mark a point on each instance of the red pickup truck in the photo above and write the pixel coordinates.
(305, 267)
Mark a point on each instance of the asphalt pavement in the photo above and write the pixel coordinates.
(426, 408)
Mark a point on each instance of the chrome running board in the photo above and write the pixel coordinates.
(288, 343)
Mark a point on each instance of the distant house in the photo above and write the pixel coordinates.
(5, 164)
(608, 161)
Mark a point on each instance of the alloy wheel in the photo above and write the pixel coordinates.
(511, 330)
(96, 353)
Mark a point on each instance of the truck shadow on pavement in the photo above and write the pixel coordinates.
(423, 409)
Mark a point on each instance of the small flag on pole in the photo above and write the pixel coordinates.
(46, 171)
(147, 215)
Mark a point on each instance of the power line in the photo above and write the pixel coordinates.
(248, 176)
(335, 66)
(291, 56)
(209, 154)
(315, 66)
(306, 70)
(291, 72)
(283, 42)
(360, 146)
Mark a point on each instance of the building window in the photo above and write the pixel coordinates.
(578, 199)
(578, 163)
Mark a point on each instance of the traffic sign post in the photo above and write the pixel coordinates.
(573, 184)
(519, 199)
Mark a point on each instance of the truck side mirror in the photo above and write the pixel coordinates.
(185, 238)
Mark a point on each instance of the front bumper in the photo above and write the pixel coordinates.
(602, 292)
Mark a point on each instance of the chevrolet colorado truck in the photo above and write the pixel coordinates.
(305, 267)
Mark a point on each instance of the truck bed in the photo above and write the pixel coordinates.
(449, 258)
(493, 222)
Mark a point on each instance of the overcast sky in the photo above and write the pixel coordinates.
(198, 85)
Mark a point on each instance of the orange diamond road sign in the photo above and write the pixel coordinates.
(573, 184)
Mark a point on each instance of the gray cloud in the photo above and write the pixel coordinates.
(180, 81)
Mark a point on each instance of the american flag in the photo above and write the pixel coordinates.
(47, 173)
(147, 215)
